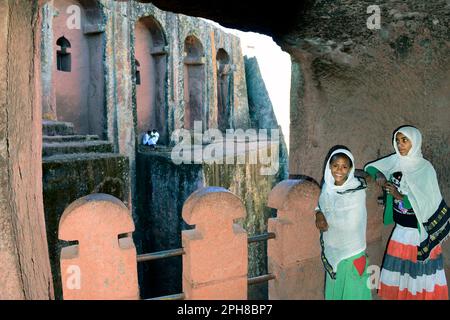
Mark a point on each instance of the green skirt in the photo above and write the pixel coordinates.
(348, 285)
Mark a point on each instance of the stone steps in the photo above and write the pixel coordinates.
(50, 149)
(59, 139)
(56, 128)
(71, 157)
(71, 138)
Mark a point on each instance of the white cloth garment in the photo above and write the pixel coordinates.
(150, 139)
(146, 139)
(346, 215)
(154, 136)
(419, 181)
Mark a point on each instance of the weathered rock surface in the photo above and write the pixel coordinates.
(24, 268)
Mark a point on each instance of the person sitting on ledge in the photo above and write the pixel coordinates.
(154, 136)
(151, 138)
(146, 138)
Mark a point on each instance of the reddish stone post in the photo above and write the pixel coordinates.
(215, 263)
(294, 255)
(102, 265)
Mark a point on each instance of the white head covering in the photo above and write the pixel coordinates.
(414, 159)
(419, 180)
(351, 181)
(345, 213)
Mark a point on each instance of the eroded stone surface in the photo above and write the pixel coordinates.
(25, 269)
(102, 266)
(223, 275)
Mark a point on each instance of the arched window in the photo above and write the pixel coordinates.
(63, 59)
(138, 73)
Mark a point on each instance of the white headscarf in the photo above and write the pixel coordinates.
(351, 181)
(419, 179)
(345, 213)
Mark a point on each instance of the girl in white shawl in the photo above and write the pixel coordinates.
(341, 217)
(413, 266)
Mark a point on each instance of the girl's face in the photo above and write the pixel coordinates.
(403, 143)
(340, 168)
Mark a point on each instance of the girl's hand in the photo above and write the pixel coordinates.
(369, 179)
(321, 222)
(380, 179)
(392, 189)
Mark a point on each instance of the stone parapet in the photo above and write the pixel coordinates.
(294, 255)
(215, 263)
(103, 263)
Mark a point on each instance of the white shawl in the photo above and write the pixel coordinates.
(419, 181)
(346, 216)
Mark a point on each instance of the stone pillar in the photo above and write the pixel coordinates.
(294, 255)
(118, 85)
(48, 62)
(215, 263)
(24, 263)
(102, 265)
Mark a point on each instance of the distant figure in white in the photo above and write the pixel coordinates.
(150, 138)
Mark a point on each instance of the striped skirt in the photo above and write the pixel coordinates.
(402, 277)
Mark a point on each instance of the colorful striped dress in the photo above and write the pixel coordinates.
(402, 275)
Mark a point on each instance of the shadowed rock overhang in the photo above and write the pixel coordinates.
(273, 20)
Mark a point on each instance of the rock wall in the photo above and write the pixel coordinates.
(24, 268)
(354, 86)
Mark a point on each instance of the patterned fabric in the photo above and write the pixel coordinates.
(404, 277)
(438, 229)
